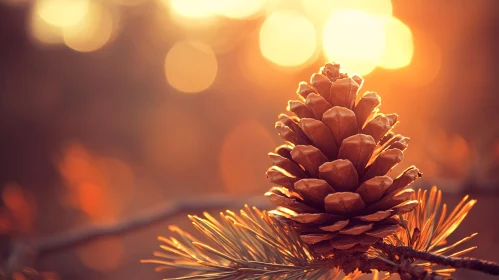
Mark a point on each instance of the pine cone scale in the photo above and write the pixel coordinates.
(322, 84)
(341, 123)
(373, 189)
(314, 190)
(310, 157)
(358, 149)
(341, 174)
(337, 226)
(320, 136)
(343, 203)
(357, 229)
(376, 216)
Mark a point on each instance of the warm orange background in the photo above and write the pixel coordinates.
(110, 107)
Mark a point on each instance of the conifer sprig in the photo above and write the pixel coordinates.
(252, 244)
(248, 245)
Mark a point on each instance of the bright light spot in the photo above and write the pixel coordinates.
(91, 181)
(258, 70)
(13, 197)
(320, 10)
(190, 66)
(379, 7)
(44, 32)
(238, 9)
(102, 254)
(192, 8)
(62, 13)
(283, 5)
(241, 165)
(287, 39)
(91, 198)
(21, 207)
(91, 32)
(354, 39)
(399, 46)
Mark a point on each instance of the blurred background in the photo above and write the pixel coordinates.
(109, 107)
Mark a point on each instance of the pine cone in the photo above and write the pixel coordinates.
(331, 173)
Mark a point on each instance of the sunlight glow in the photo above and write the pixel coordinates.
(374, 7)
(238, 9)
(354, 39)
(191, 66)
(90, 181)
(62, 13)
(320, 10)
(192, 8)
(92, 32)
(399, 46)
(198, 9)
(426, 62)
(44, 32)
(287, 39)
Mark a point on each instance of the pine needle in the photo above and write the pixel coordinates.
(430, 220)
(249, 245)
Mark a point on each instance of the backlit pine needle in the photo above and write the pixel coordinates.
(248, 245)
(428, 226)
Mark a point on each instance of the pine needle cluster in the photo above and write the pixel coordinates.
(252, 244)
(248, 245)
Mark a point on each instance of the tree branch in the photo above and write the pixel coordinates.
(468, 263)
(349, 262)
(79, 236)
(23, 251)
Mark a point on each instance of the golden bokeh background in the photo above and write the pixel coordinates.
(108, 107)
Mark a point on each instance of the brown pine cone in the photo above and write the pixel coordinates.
(331, 173)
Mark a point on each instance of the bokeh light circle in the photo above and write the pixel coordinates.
(92, 32)
(355, 39)
(44, 32)
(238, 9)
(62, 13)
(320, 10)
(287, 39)
(191, 8)
(373, 7)
(191, 66)
(399, 45)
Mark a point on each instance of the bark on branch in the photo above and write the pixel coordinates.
(468, 263)
(350, 262)
(193, 205)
